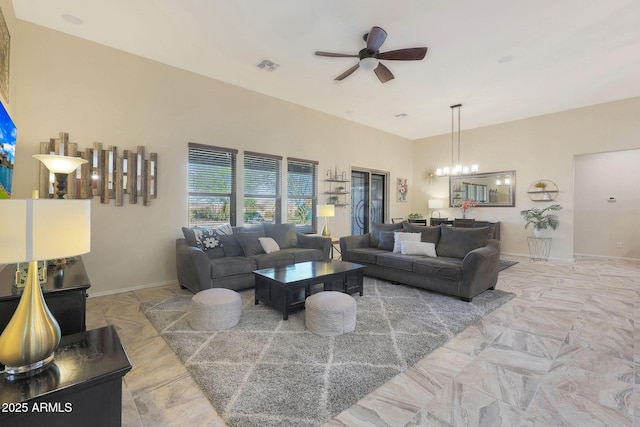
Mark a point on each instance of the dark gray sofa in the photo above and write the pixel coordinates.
(231, 262)
(466, 264)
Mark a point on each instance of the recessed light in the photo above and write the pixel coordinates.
(505, 59)
(267, 65)
(72, 19)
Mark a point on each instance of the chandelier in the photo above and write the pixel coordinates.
(456, 168)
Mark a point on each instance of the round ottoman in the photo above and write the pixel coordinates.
(215, 309)
(330, 313)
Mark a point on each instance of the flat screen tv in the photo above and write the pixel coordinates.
(7, 152)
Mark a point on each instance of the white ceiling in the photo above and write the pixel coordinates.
(564, 53)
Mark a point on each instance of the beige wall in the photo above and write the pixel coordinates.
(100, 94)
(541, 147)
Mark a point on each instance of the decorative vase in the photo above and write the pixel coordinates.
(538, 233)
(464, 214)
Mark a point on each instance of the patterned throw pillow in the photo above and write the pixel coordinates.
(207, 238)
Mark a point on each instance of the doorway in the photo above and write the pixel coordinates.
(368, 199)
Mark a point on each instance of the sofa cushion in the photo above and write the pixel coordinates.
(189, 236)
(250, 243)
(284, 234)
(274, 259)
(443, 267)
(366, 255)
(376, 228)
(400, 237)
(418, 248)
(304, 255)
(385, 240)
(268, 244)
(231, 246)
(229, 266)
(428, 234)
(457, 242)
(396, 260)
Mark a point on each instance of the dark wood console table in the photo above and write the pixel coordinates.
(65, 293)
(83, 386)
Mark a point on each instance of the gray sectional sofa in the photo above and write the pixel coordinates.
(226, 257)
(466, 264)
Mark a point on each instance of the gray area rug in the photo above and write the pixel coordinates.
(270, 372)
(504, 264)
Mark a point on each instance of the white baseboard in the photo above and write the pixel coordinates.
(528, 257)
(133, 288)
(607, 257)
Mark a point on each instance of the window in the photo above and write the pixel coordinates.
(302, 194)
(212, 185)
(262, 183)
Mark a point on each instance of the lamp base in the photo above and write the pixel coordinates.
(30, 369)
(325, 231)
(31, 337)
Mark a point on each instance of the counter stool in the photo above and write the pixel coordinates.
(215, 309)
(330, 313)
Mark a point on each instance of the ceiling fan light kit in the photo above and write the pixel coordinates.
(370, 56)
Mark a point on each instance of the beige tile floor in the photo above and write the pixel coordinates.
(562, 353)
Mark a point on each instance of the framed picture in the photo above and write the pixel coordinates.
(403, 188)
(5, 41)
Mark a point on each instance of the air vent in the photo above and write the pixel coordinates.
(268, 65)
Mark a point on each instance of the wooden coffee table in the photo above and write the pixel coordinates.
(286, 288)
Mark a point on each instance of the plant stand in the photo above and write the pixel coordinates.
(539, 248)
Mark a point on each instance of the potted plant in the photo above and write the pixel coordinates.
(540, 185)
(541, 219)
(415, 216)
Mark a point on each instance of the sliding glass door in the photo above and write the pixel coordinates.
(368, 199)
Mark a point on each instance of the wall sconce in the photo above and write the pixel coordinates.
(61, 166)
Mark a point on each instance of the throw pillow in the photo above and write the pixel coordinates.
(268, 244)
(207, 238)
(230, 245)
(418, 248)
(429, 234)
(250, 243)
(284, 234)
(376, 228)
(399, 237)
(457, 242)
(385, 240)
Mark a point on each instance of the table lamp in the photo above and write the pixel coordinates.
(436, 204)
(33, 230)
(326, 211)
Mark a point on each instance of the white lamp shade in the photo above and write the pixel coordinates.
(436, 203)
(60, 164)
(326, 210)
(41, 229)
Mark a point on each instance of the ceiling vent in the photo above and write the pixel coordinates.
(268, 65)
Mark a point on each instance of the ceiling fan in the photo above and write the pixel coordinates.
(370, 56)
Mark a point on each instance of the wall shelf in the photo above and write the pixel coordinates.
(338, 189)
(547, 193)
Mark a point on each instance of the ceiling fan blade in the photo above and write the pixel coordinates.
(348, 72)
(375, 38)
(411, 54)
(383, 73)
(336, 55)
